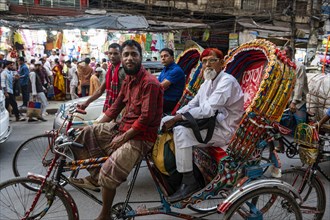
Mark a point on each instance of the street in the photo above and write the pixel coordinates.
(143, 190)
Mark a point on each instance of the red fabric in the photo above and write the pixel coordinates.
(142, 97)
(210, 51)
(111, 86)
(217, 153)
(251, 79)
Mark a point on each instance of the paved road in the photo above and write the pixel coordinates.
(144, 186)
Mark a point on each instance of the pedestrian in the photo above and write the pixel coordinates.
(95, 82)
(24, 81)
(297, 103)
(37, 90)
(84, 74)
(7, 79)
(113, 79)
(2, 61)
(45, 79)
(73, 77)
(59, 83)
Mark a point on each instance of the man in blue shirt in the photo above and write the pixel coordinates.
(24, 81)
(172, 79)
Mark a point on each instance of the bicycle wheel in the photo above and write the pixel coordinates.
(265, 203)
(311, 191)
(16, 199)
(34, 156)
(207, 205)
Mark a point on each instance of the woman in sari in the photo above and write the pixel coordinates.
(59, 83)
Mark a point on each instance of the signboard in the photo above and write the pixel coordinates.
(233, 40)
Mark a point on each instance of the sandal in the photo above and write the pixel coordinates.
(85, 183)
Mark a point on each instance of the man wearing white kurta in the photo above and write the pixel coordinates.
(220, 92)
(37, 90)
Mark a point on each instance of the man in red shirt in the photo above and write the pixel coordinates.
(127, 142)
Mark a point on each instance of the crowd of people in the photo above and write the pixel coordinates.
(141, 100)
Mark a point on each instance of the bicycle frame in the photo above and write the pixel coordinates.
(211, 189)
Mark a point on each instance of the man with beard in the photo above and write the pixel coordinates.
(219, 95)
(127, 142)
(113, 79)
(37, 89)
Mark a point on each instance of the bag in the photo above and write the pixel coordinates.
(163, 154)
(288, 120)
(33, 109)
(199, 124)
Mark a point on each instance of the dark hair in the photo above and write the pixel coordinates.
(155, 58)
(290, 49)
(104, 60)
(32, 61)
(87, 60)
(22, 59)
(57, 60)
(168, 50)
(148, 59)
(132, 43)
(114, 46)
(74, 59)
(8, 63)
(68, 61)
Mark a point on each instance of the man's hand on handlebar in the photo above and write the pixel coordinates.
(82, 106)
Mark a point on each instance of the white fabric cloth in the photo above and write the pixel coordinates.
(33, 79)
(44, 103)
(48, 68)
(73, 76)
(223, 94)
(73, 92)
(40, 95)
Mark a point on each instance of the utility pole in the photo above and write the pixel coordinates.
(293, 26)
(313, 35)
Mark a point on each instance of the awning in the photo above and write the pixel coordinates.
(111, 21)
(278, 29)
(166, 25)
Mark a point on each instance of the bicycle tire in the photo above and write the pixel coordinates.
(313, 194)
(16, 199)
(28, 157)
(207, 205)
(283, 201)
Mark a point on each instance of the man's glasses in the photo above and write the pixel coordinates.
(211, 61)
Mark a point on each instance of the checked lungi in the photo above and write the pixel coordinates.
(96, 140)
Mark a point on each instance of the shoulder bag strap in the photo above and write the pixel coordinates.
(195, 128)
